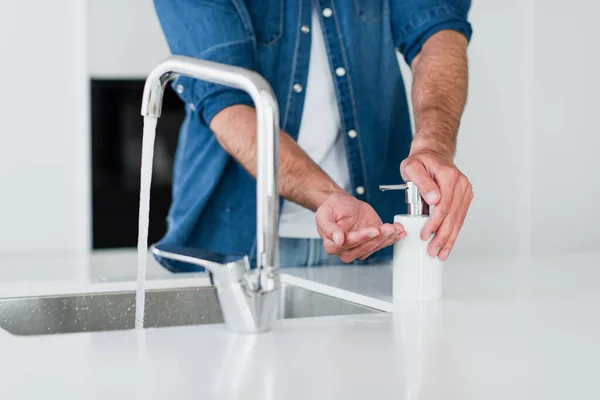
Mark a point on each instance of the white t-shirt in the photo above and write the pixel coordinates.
(319, 136)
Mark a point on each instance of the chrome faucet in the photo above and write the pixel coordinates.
(249, 298)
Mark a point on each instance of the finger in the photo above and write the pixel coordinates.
(398, 227)
(449, 245)
(414, 171)
(356, 238)
(447, 181)
(395, 237)
(391, 234)
(331, 247)
(366, 236)
(443, 233)
(349, 255)
(327, 227)
(385, 231)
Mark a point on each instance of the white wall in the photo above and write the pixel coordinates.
(44, 158)
(566, 144)
(529, 137)
(125, 38)
(491, 142)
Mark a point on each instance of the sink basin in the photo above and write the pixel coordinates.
(165, 307)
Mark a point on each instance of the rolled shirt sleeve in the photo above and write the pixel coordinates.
(415, 21)
(214, 31)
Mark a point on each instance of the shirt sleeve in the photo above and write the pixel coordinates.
(415, 21)
(210, 30)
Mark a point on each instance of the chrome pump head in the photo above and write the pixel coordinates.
(416, 204)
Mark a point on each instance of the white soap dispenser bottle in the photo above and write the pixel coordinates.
(416, 275)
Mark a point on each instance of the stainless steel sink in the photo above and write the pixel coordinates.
(167, 307)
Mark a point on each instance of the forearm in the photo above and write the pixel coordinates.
(440, 80)
(301, 180)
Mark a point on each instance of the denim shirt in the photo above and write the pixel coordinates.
(214, 197)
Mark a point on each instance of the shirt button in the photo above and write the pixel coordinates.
(360, 190)
(340, 71)
(352, 133)
(179, 89)
(305, 29)
(327, 12)
(192, 107)
(297, 88)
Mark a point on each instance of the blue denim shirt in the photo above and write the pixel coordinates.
(214, 198)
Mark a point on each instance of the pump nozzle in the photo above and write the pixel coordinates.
(416, 204)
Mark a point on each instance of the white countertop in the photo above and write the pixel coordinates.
(506, 329)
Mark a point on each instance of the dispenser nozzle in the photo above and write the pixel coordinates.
(416, 204)
(383, 188)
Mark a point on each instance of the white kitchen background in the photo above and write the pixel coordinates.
(529, 139)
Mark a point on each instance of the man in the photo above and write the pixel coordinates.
(344, 119)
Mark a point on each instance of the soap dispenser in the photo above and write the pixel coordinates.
(416, 275)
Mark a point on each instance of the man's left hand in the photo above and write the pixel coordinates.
(442, 185)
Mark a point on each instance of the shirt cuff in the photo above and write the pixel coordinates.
(210, 98)
(220, 99)
(419, 30)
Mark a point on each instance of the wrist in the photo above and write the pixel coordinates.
(325, 193)
(434, 142)
(311, 191)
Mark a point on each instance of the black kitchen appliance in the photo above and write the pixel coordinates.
(116, 157)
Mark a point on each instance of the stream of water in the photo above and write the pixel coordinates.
(144, 218)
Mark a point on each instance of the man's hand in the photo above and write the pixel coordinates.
(442, 185)
(439, 92)
(351, 228)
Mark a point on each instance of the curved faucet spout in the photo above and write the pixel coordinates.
(267, 153)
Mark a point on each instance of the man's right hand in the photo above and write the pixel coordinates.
(351, 228)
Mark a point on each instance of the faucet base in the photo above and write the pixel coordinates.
(246, 306)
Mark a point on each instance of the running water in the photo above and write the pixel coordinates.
(144, 218)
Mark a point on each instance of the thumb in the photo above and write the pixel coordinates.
(414, 171)
(327, 226)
